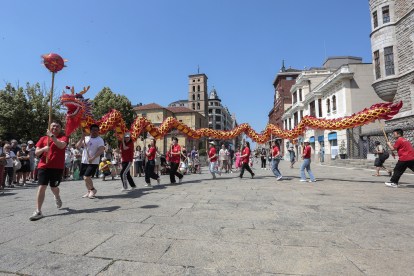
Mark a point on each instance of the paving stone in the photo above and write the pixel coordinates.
(132, 248)
(317, 239)
(137, 268)
(254, 236)
(184, 232)
(15, 259)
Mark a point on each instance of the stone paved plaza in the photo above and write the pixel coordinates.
(347, 223)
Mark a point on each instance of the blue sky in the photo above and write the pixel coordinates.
(146, 49)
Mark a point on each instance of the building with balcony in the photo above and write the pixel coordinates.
(330, 93)
(392, 44)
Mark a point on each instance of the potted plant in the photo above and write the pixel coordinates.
(342, 150)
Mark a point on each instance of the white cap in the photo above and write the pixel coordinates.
(306, 141)
(127, 134)
(30, 142)
(212, 143)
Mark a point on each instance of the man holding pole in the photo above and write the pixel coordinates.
(405, 157)
(50, 172)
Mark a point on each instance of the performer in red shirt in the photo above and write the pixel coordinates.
(306, 163)
(276, 160)
(127, 148)
(175, 161)
(50, 173)
(212, 158)
(405, 157)
(149, 167)
(245, 159)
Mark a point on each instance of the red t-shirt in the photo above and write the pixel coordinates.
(211, 153)
(152, 151)
(246, 158)
(175, 158)
(167, 158)
(404, 149)
(275, 151)
(56, 155)
(127, 155)
(307, 152)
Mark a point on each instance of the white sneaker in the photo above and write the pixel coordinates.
(391, 184)
(148, 185)
(123, 190)
(231, 171)
(87, 194)
(312, 180)
(303, 180)
(280, 177)
(158, 181)
(58, 202)
(180, 180)
(133, 188)
(36, 215)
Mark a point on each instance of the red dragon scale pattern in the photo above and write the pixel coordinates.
(79, 113)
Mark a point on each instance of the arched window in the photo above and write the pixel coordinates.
(193, 97)
(193, 88)
(193, 106)
(198, 106)
(198, 88)
(328, 105)
(334, 103)
(198, 96)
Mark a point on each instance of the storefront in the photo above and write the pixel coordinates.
(321, 142)
(333, 143)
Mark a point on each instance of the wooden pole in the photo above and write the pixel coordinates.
(50, 112)
(84, 142)
(386, 137)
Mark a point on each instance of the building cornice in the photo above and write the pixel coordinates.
(393, 76)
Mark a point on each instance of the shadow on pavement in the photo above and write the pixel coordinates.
(87, 211)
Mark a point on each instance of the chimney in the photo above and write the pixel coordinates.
(283, 69)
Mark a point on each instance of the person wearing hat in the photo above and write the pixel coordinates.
(379, 163)
(31, 149)
(292, 156)
(212, 158)
(96, 146)
(306, 163)
(127, 151)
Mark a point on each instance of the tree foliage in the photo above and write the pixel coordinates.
(102, 104)
(24, 112)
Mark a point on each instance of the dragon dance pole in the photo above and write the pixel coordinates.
(383, 130)
(50, 112)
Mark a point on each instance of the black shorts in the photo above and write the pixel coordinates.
(88, 170)
(50, 176)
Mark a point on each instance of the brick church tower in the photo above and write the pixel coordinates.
(197, 94)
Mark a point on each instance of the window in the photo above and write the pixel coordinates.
(218, 126)
(198, 80)
(198, 106)
(301, 115)
(180, 121)
(198, 96)
(218, 111)
(300, 94)
(193, 106)
(193, 88)
(375, 19)
(389, 61)
(210, 119)
(334, 103)
(312, 109)
(193, 80)
(290, 123)
(216, 104)
(144, 115)
(295, 119)
(295, 97)
(198, 88)
(320, 107)
(210, 111)
(193, 97)
(289, 78)
(328, 105)
(377, 65)
(210, 126)
(386, 14)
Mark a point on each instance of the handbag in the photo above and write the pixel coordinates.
(114, 162)
(3, 163)
(16, 164)
(383, 156)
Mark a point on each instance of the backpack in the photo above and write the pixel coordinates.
(383, 156)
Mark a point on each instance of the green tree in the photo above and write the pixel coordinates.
(24, 112)
(102, 104)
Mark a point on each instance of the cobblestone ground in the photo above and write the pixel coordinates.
(346, 223)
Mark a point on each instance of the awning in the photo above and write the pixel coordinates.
(312, 140)
(332, 136)
(320, 138)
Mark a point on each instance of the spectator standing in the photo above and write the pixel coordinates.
(94, 147)
(238, 159)
(224, 156)
(263, 158)
(175, 161)
(138, 161)
(230, 160)
(194, 153)
(32, 150)
(379, 162)
(117, 158)
(50, 173)
(24, 156)
(8, 169)
(405, 157)
(157, 161)
(2, 160)
(76, 158)
(292, 156)
(108, 151)
(15, 149)
(68, 164)
(127, 148)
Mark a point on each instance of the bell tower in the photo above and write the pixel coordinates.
(197, 94)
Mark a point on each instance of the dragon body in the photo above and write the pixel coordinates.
(80, 114)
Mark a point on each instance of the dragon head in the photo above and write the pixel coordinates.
(78, 109)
